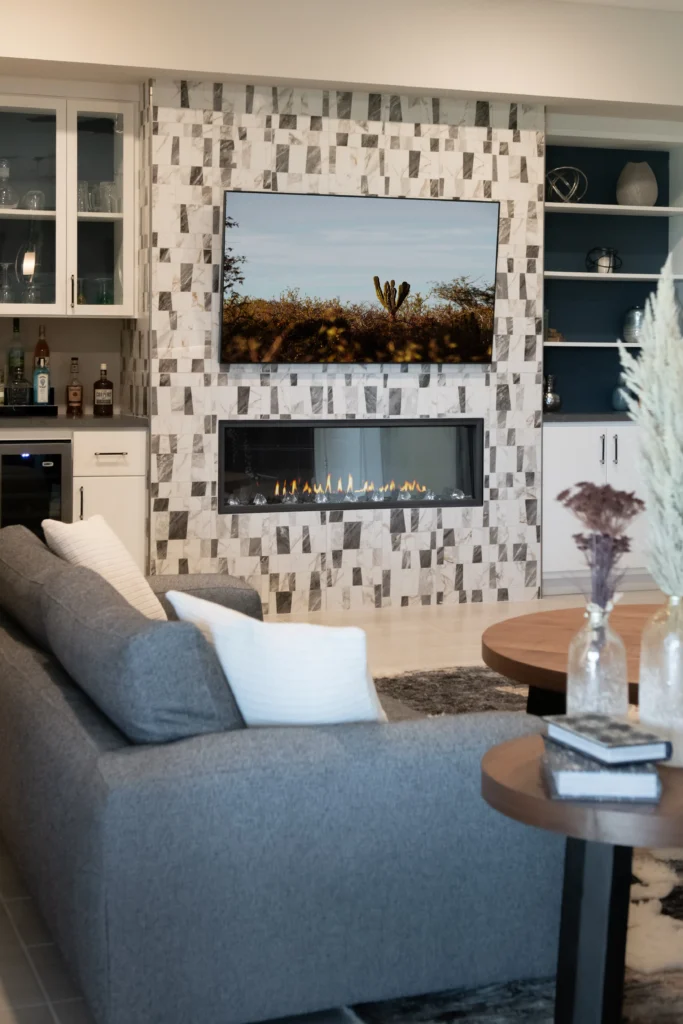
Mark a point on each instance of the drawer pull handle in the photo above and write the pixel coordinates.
(121, 454)
(81, 515)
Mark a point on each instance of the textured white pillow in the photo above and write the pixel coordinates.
(287, 673)
(93, 544)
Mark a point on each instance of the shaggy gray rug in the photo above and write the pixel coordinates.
(454, 691)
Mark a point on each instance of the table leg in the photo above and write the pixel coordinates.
(595, 902)
(545, 702)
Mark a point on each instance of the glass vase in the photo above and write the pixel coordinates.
(661, 675)
(597, 679)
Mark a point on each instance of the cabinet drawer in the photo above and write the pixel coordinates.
(110, 453)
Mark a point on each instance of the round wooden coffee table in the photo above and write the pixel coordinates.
(597, 871)
(532, 650)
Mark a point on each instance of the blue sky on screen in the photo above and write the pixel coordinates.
(332, 246)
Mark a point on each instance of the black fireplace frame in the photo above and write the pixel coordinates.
(476, 501)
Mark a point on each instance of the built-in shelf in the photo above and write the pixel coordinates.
(100, 216)
(591, 275)
(8, 212)
(612, 210)
(585, 344)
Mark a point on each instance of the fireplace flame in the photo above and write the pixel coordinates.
(368, 487)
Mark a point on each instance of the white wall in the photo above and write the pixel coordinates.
(518, 48)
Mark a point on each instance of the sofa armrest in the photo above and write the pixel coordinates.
(303, 868)
(226, 590)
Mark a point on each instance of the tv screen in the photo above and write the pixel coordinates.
(351, 279)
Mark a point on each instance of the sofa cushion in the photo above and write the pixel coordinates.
(26, 565)
(302, 674)
(93, 544)
(156, 681)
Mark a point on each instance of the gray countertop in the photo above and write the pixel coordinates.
(586, 417)
(19, 423)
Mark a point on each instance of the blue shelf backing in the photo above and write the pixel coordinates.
(602, 167)
(585, 377)
(588, 311)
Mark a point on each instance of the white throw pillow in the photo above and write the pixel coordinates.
(93, 544)
(287, 673)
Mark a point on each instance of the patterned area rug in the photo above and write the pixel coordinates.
(454, 691)
(654, 977)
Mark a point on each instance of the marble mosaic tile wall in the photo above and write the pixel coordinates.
(135, 336)
(209, 137)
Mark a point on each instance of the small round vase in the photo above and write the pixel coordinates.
(551, 400)
(633, 325)
(597, 680)
(619, 402)
(661, 676)
(637, 185)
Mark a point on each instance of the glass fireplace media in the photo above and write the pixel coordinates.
(292, 465)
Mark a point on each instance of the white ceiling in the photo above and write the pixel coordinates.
(643, 5)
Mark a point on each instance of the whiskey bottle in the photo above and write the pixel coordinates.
(41, 383)
(103, 394)
(41, 350)
(74, 391)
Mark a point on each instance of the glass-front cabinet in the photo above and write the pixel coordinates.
(67, 207)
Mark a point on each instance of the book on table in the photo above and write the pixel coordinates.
(572, 776)
(607, 739)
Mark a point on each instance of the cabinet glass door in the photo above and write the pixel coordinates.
(101, 189)
(32, 206)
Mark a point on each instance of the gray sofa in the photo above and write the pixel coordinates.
(248, 874)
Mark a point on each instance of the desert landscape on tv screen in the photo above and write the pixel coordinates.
(337, 279)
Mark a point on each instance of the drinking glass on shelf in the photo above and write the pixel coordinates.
(32, 291)
(109, 202)
(81, 292)
(82, 199)
(6, 293)
(105, 291)
(94, 198)
(34, 199)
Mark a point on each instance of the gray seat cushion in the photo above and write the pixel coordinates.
(26, 565)
(156, 681)
(228, 591)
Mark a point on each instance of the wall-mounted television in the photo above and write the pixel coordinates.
(355, 279)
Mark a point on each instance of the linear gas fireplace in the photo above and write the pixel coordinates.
(290, 464)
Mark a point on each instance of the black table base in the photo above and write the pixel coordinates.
(545, 702)
(591, 959)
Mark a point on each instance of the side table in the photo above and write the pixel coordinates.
(597, 871)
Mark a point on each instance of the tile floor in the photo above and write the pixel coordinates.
(35, 987)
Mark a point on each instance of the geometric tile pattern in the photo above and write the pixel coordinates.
(205, 137)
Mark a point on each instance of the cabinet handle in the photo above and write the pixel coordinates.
(616, 450)
(602, 449)
(81, 493)
(73, 290)
(122, 454)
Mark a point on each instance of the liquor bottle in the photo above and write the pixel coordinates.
(74, 391)
(41, 350)
(19, 390)
(41, 383)
(16, 352)
(103, 394)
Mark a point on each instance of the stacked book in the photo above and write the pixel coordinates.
(596, 757)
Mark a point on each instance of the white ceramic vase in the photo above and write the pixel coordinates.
(637, 185)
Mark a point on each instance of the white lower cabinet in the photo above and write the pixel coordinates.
(599, 453)
(122, 501)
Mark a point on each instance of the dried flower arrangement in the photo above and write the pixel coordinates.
(653, 389)
(604, 513)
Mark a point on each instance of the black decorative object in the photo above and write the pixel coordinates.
(603, 260)
(551, 400)
(566, 185)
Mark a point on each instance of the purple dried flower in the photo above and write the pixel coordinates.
(605, 513)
